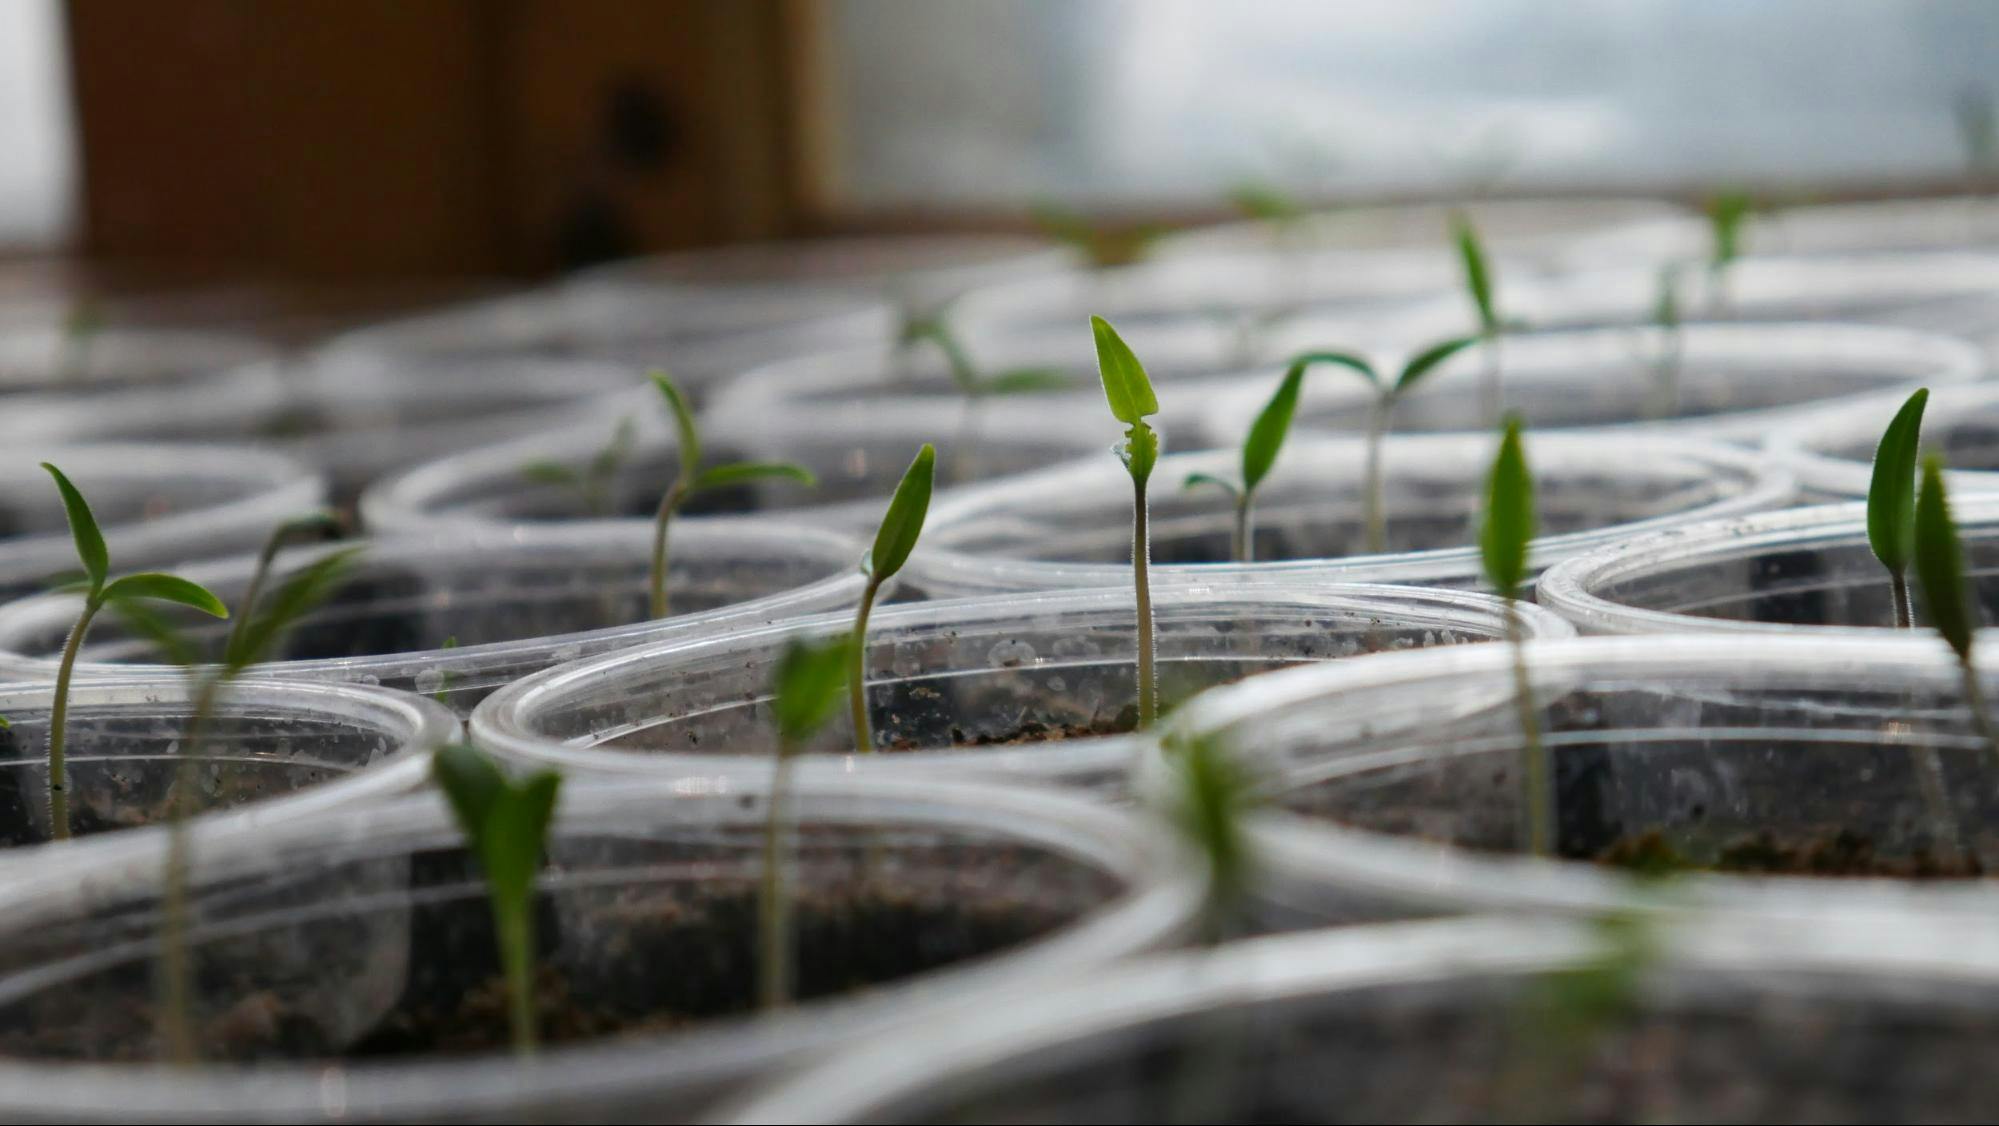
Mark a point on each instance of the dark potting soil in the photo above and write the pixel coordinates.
(1032, 732)
(1837, 852)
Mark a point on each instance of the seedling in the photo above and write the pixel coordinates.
(1259, 453)
(1563, 1015)
(1271, 206)
(1130, 395)
(99, 590)
(1891, 500)
(1479, 286)
(1209, 798)
(895, 539)
(1666, 365)
(1381, 415)
(805, 694)
(1726, 213)
(1976, 131)
(1101, 244)
(80, 329)
(506, 824)
(591, 485)
(693, 480)
(1502, 542)
(1939, 563)
(976, 386)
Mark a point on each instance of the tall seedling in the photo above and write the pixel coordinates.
(1131, 399)
(99, 590)
(1479, 287)
(693, 480)
(1940, 567)
(805, 694)
(1259, 453)
(1503, 541)
(895, 539)
(1891, 500)
(506, 824)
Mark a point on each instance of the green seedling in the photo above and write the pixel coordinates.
(1382, 414)
(1939, 560)
(1479, 287)
(1503, 541)
(444, 676)
(694, 480)
(1666, 365)
(1130, 395)
(591, 485)
(1976, 131)
(1102, 245)
(1209, 798)
(81, 327)
(1891, 500)
(1259, 452)
(1562, 1016)
(805, 694)
(1271, 206)
(506, 824)
(895, 539)
(977, 385)
(99, 590)
(1727, 212)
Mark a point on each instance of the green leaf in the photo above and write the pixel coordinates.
(1429, 359)
(1195, 480)
(1208, 806)
(90, 549)
(1891, 496)
(473, 786)
(1264, 202)
(550, 473)
(1125, 385)
(312, 585)
(902, 524)
(165, 588)
(517, 831)
(145, 622)
(1726, 212)
(1358, 363)
(1509, 515)
(607, 459)
(1266, 434)
(1027, 381)
(1139, 452)
(683, 420)
(1478, 274)
(735, 473)
(807, 687)
(1940, 563)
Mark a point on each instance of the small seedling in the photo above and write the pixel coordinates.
(805, 694)
(1562, 1017)
(506, 824)
(1208, 800)
(1502, 541)
(1381, 416)
(1666, 365)
(1270, 205)
(80, 328)
(1976, 131)
(1479, 286)
(1102, 245)
(1939, 559)
(1259, 452)
(1891, 500)
(1726, 214)
(693, 479)
(977, 386)
(895, 539)
(1130, 395)
(591, 484)
(99, 590)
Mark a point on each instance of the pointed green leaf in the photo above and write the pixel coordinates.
(683, 421)
(1478, 273)
(1352, 360)
(517, 831)
(1940, 563)
(735, 473)
(807, 687)
(1429, 359)
(1891, 497)
(90, 549)
(143, 621)
(1125, 384)
(472, 785)
(165, 588)
(301, 593)
(1028, 381)
(550, 473)
(1509, 515)
(1208, 808)
(1196, 480)
(1266, 434)
(1726, 212)
(902, 524)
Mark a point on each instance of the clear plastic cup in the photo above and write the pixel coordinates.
(1804, 571)
(1040, 688)
(1474, 1020)
(157, 505)
(1070, 525)
(1822, 778)
(1832, 452)
(457, 616)
(346, 965)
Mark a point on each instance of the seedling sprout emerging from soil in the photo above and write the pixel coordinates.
(1479, 286)
(506, 824)
(693, 479)
(1891, 500)
(592, 483)
(895, 539)
(1131, 399)
(99, 590)
(1259, 452)
(1502, 541)
(804, 695)
(1381, 416)
(1939, 563)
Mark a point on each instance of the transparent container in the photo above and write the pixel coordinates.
(1832, 452)
(157, 505)
(346, 964)
(1806, 570)
(456, 616)
(1070, 525)
(1809, 777)
(1477, 1020)
(1731, 382)
(276, 750)
(1040, 688)
(43, 357)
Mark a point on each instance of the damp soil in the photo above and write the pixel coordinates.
(1837, 852)
(1030, 733)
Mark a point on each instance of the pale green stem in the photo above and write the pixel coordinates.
(668, 504)
(964, 462)
(1981, 715)
(1666, 376)
(1534, 773)
(1374, 511)
(1141, 552)
(1899, 584)
(857, 671)
(513, 922)
(1242, 539)
(176, 982)
(59, 720)
(774, 908)
(1491, 395)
